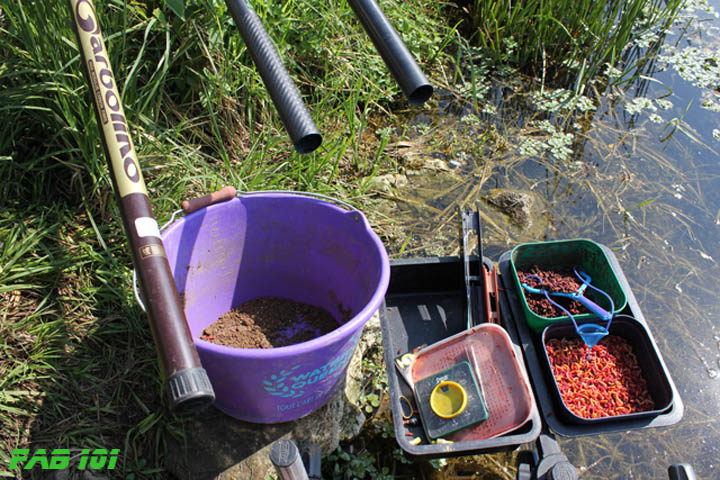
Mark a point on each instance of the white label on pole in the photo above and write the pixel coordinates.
(147, 227)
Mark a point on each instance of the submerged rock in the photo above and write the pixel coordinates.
(516, 205)
(219, 446)
(389, 181)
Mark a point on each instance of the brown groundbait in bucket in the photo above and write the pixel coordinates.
(268, 322)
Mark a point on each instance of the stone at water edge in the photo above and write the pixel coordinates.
(514, 204)
(385, 183)
(219, 446)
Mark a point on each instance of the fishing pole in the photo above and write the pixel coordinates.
(285, 96)
(188, 385)
(393, 51)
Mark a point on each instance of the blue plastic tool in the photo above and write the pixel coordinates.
(576, 295)
(591, 333)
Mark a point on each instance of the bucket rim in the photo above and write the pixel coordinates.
(337, 335)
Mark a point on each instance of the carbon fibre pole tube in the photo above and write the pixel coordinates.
(681, 471)
(188, 385)
(397, 57)
(285, 96)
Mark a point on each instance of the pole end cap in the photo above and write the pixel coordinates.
(284, 453)
(190, 390)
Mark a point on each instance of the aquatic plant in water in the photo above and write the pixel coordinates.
(698, 66)
(638, 104)
(556, 100)
(568, 41)
(551, 139)
(711, 104)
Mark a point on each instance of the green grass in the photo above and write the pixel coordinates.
(78, 367)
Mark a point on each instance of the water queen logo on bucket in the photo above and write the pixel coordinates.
(292, 384)
(278, 385)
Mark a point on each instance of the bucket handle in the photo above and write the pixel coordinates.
(229, 192)
(221, 195)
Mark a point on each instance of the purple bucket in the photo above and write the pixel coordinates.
(277, 245)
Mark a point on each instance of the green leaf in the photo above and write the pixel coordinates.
(177, 6)
(646, 202)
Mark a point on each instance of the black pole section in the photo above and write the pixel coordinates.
(298, 122)
(314, 461)
(681, 471)
(188, 385)
(397, 57)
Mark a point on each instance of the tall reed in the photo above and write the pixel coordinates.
(566, 41)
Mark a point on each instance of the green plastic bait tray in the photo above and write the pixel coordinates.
(566, 254)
